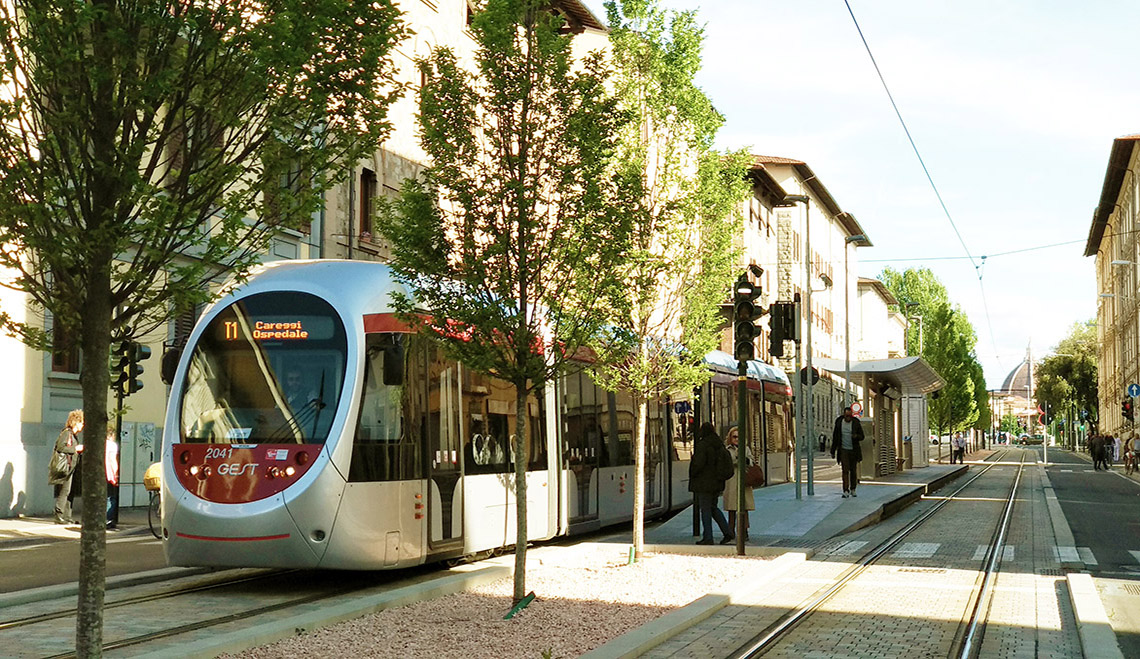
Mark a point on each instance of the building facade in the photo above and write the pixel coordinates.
(1112, 241)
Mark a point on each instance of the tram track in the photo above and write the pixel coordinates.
(967, 639)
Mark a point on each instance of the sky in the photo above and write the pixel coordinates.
(1013, 106)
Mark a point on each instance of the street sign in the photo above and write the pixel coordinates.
(857, 409)
(1134, 390)
(682, 407)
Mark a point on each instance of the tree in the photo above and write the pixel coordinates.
(148, 146)
(1067, 379)
(947, 343)
(507, 242)
(682, 212)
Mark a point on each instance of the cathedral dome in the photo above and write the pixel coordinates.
(1017, 382)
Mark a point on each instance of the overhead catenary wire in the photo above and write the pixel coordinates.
(977, 265)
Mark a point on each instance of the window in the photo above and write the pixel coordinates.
(65, 353)
(367, 201)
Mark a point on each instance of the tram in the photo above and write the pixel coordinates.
(308, 427)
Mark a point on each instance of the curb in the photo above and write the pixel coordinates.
(637, 642)
(1097, 637)
(269, 632)
(123, 581)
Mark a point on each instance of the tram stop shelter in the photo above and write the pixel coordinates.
(894, 414)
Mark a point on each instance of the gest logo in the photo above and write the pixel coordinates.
(237, 468)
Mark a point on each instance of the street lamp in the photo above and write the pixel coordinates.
(806, 402)
(860, 240)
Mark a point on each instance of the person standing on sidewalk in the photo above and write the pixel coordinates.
(845, 440)
(66, 451)
(732, 441)
(707, 475)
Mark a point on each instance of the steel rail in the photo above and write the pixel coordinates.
(138, 599)
(765, 639)
(968, 646)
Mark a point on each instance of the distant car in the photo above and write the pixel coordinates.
(933, 440)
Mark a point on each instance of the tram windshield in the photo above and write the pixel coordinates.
(267, 370)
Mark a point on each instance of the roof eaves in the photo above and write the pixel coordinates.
(1118, 160)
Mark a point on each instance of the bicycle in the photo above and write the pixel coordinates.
(152, 481)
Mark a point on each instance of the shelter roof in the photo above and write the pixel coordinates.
(909, 374)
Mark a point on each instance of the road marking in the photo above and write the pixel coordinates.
(849, 548)
(1066, 555)
(1087, 556)
(1007, 553)
(917, 549)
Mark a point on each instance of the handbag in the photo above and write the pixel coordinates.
(60, 467)
(753, 476)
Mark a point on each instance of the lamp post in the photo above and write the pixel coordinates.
(862, 242)
(806, 403)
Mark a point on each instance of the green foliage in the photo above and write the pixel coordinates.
(148, 146)
(156, 144)
(946, 339)
(509, 239)
(1068, 378)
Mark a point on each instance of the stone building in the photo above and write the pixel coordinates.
(1112, 241)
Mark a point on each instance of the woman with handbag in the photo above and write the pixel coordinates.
(62, 467)
(731, 441)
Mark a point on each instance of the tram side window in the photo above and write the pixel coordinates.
(382, 449)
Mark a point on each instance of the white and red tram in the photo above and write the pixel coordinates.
(308, 428)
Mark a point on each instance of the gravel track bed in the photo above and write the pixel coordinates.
(586, 595)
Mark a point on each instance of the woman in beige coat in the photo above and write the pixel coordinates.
(731, 440)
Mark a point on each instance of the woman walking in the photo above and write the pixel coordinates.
(732, 442)
(63, 459)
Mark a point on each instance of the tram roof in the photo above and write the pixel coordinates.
(757, 370)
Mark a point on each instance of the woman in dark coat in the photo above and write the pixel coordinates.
(706, 483)
(67, 445)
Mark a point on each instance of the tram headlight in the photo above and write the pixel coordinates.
(184, 457)
(302, 457)
(289, 471)
(194, 470)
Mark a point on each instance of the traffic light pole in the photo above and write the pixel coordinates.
(741, 451)
(797, 382)
(113, 490)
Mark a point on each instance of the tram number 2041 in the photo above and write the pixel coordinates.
(219, 453)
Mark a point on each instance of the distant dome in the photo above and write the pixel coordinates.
(1017, 382)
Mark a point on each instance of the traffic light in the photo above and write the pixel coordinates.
(120, 365)
(125, 367)
(138, 353)
(745, 314)
(1126, 408)
(779, 318)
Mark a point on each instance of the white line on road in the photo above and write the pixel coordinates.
(917, 549)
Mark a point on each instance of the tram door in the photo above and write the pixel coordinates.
(582, 436)
(445, 442)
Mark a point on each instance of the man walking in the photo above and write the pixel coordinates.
(710, 467)
(845, 439)
(959, 444)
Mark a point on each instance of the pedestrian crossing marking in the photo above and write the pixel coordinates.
(1066, 555)
(1087, 556)
(849, 548)
(1007, 553)
(917, 549)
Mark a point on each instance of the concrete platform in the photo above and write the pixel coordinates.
(782, 522)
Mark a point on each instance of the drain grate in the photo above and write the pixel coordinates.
(1050, 572)
(1131, 589)
(923, 570)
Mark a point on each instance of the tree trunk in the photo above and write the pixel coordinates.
(521, 457)
(95, 340)
(639, 477)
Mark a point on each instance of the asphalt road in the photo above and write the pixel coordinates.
(56, 562)
(1103, 511)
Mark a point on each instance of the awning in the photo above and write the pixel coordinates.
(910, 374)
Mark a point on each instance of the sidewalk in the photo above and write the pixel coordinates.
(24, 530)
(783, 521)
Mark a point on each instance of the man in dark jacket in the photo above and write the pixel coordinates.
(845, 439)
(706, 483)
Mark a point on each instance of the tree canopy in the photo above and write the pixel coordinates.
(510, 234)
(682, 209)
(149, 146)
(945, 338)
(1067, 379)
